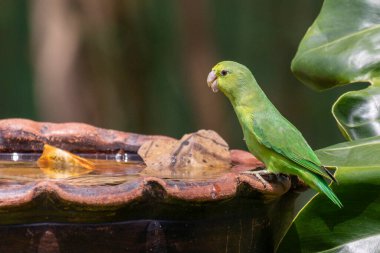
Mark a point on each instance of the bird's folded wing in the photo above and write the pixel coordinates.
(278, 134)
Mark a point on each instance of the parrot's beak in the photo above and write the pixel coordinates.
(212, 81)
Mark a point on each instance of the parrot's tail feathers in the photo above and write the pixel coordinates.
(323, 187)
(330, 174)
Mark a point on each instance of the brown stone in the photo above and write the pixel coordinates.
(203, 153)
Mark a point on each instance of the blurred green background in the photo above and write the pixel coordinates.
(141, 66)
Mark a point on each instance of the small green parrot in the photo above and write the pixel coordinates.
(268, 135)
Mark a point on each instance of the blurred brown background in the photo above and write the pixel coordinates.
(141, 65)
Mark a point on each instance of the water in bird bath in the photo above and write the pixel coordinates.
(109, 169)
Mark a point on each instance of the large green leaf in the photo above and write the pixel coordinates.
(342, 47)
(322, 227)
(358, 114)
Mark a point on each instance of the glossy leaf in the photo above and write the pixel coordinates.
(342, 47)
(358, 114)
(320, 226)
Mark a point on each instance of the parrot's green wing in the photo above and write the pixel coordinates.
(275, 132)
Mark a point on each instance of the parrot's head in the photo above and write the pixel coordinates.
(229, 77)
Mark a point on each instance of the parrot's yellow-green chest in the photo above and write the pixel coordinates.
(246, 121)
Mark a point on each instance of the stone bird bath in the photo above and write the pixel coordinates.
(128, 204)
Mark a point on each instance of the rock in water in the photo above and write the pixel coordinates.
(200, 154)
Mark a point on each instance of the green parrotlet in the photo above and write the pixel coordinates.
(269, 135)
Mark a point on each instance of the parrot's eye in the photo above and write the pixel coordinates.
(224, 72)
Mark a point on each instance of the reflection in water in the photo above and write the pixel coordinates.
(82, 169)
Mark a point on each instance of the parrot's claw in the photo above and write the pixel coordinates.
(258, 174)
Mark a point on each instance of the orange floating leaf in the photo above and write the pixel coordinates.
(57, 163)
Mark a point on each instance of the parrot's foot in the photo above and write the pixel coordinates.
(258, 174)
